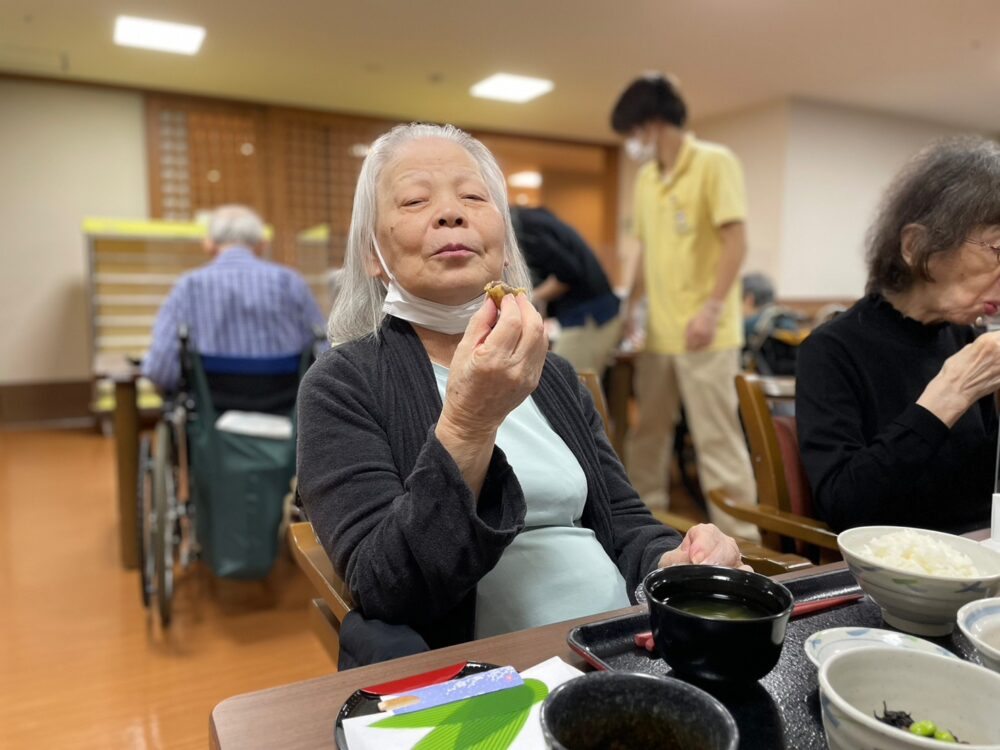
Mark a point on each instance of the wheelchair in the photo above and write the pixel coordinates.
(214, 472)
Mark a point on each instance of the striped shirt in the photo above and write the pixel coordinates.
(237, 305)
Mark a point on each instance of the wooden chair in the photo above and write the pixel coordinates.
(593, 383)
(327, 612)
(785, 513)
(766, 561)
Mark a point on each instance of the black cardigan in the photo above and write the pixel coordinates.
(392, 510)
(873, 456)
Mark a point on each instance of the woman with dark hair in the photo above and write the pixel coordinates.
(896, 418)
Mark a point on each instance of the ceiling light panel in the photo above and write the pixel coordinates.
(162, 36)
(511, 88)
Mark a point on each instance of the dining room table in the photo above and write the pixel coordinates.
(302, 715)
(782, 710)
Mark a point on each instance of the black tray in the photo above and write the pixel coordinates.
(782, 710)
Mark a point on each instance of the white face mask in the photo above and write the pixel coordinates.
(639, 151)
(423, 312)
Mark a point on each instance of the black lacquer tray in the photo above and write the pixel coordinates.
(782, 709)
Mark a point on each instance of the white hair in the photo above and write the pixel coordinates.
(358, 309)
(235, 225)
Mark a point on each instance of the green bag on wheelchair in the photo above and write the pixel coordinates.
(241, 462)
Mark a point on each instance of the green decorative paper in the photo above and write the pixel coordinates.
(486, 722)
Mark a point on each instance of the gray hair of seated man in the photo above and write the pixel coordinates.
(358, 310)
(758, 286)
(235, 225)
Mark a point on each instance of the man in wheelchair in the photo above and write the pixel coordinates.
(772, 333)
(230, 346)
(237, 305)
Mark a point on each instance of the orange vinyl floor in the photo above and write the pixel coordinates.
(81, 666)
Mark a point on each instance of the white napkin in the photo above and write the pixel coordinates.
(361, 736)
(255, 423)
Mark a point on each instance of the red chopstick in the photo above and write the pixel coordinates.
(645, 639)
(416, 681)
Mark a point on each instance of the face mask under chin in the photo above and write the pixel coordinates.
(450, 319)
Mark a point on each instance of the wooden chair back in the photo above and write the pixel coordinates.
(782, 484)
(334, 602)
(593, 383)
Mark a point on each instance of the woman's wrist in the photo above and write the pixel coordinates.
(944, 400)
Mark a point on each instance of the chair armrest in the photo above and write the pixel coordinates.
(674, 521)
(809, 530)
(768, 562)
(314, 562)
(765, 561)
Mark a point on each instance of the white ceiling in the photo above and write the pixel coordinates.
(929, 59)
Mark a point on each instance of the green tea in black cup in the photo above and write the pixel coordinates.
(717, 624)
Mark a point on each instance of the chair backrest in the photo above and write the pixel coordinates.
(593, 383)
(774, 449)
(315, 563)
(260, 384)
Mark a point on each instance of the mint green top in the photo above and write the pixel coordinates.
(555, 569)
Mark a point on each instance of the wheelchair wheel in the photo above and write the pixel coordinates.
(164, 518)
(144, 520)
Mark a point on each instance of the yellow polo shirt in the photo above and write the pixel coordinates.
(677, 218)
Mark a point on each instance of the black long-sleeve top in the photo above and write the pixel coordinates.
(873, 456)
(390, 505)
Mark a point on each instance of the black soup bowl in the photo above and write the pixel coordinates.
(718, 625)
(612, 710)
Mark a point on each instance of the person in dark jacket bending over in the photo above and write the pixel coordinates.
(569, 278)
(896, 418)
(459, 476)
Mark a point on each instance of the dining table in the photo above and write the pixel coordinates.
(302, 715)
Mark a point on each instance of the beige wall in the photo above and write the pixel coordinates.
(66, 152)
(839, 161)
(758, 137)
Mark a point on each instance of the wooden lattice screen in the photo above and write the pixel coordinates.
(298, 168)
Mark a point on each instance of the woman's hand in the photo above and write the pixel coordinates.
(705, 544)
(966, 376)
(495, 367)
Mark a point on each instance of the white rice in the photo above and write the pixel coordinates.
(919, 553)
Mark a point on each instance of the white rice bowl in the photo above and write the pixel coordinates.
(893, 565)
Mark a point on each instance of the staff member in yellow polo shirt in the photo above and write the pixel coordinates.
(689, 215)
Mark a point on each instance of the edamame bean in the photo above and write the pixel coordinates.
(923, 728)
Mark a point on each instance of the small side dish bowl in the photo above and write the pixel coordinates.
(623, 709)
(956, 695)
(917, 602)
(979, 621)
(717, 624)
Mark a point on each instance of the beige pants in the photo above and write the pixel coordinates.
(704, 382)
(590, 346)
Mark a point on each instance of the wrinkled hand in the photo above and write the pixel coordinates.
(496, 366)
(966, 376)
(700, 331)
(705, 544)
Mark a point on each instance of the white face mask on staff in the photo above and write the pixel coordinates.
(640, 151)
(422, 312)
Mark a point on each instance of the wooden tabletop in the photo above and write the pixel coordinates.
(301, 716)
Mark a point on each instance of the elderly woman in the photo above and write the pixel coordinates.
(458, 475)
(896, 418)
